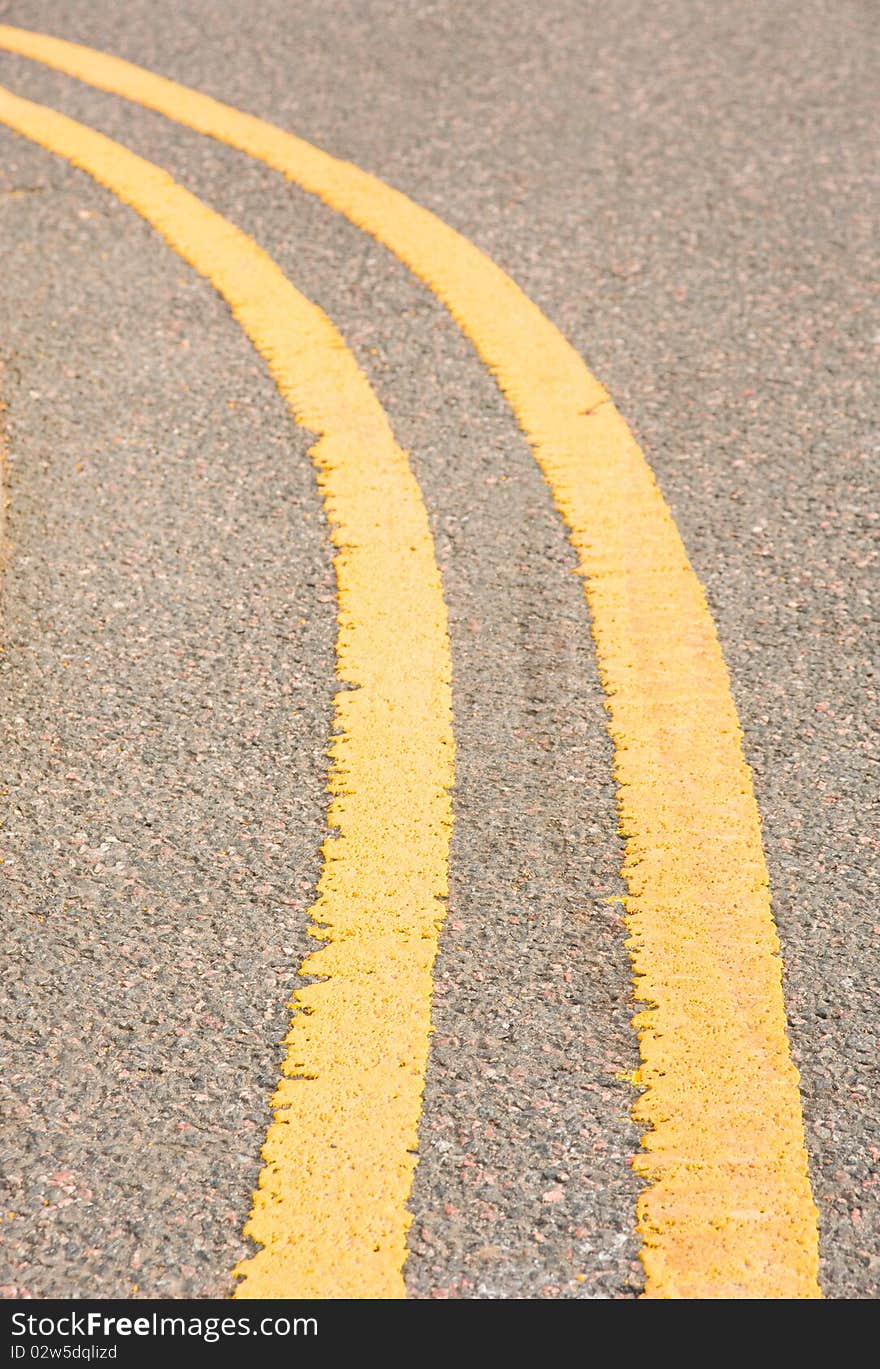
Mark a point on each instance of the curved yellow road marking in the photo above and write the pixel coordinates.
(728, 1209)
(340, 1155)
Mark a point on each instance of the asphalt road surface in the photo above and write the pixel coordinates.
(688, 190)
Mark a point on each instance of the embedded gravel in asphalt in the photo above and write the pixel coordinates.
(167, 675)
(687, 192)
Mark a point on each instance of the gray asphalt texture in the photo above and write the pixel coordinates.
(689, 190)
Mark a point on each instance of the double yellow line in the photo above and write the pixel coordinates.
(727, 1209)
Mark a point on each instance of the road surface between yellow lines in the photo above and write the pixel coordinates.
(727, 1209)
(340, 1154)
(4, 493)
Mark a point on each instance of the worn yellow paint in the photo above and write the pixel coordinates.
(727, 1210)
(330, 1213)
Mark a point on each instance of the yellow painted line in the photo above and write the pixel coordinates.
(330, 1213)
(727, 1210)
